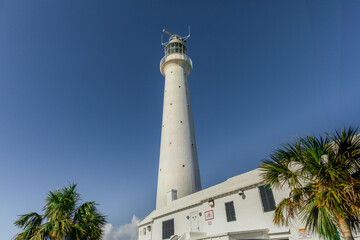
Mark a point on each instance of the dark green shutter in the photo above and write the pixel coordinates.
(230, 211)
(168, 228)
(267, 198)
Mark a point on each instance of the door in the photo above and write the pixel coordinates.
(194, 222)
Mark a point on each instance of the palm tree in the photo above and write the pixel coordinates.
(63, 219)
(322, 174)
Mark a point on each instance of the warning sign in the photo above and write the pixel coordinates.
(209, 215)
(304, 234)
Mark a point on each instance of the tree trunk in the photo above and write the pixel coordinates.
(345, 229)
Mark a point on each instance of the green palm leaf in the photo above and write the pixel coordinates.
(323, 175)
(64, 219)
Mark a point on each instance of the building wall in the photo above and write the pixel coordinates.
(249, 217)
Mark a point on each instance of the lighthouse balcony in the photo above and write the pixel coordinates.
(175, 56)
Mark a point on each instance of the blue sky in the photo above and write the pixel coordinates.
(81, 92)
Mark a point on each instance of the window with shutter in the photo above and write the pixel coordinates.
(168, 229)
(267, 198)
(230, 211)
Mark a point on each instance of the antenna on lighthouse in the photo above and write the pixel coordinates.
(173, 36)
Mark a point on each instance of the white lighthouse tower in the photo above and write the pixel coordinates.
(179, 173)
(242, 207)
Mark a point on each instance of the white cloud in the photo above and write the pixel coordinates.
(123, 232)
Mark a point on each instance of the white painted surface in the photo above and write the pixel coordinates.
(251, 221)
(194, 222)
(178, 164)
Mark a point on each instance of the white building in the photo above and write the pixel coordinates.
(239, 208)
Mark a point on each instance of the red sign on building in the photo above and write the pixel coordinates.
(209, 215)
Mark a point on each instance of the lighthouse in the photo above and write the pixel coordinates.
(242, 207)
(178, 174)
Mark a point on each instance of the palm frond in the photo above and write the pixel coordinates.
(319, 220)
(323, 175)
(29, 220)
(64, 219)
(285, 166)
(61, 203)
(88, 218)
(284, 212)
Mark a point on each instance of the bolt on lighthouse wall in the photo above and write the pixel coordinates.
(178, 165)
